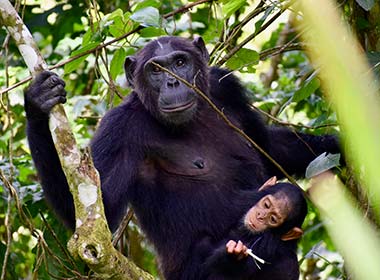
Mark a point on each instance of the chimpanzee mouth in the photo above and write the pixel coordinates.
(178, 108)
(251, 224)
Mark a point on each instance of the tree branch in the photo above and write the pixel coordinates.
(91, 241)
(228, 122)
(104, 45)
(252, 36)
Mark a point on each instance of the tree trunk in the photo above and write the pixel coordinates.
(91, 241)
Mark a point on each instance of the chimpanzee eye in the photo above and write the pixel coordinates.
(273, 219)
(156, 69)
(180, 62)
(266, 204)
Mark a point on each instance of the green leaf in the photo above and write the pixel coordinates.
(321, 164)
(244, 59)
(147, 17)
(117, 28)
(366, 4)
(117, 62)
(231, 6)
(120, 24)
(149, 32)
(304, 92)
(116, 13)
(148, 3)
(260, 22)
(73, 65)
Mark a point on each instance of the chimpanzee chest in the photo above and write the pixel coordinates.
(185, 161)
(206, 158)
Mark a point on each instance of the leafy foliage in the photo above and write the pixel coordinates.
(90, 40)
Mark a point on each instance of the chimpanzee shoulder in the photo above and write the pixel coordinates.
(228, 92)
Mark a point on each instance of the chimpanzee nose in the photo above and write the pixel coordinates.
(260, 215)
(172, 83)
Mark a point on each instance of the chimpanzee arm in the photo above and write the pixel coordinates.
(294, 150)
(283, 265)
(107, 149)
(46, 91)
(220, 263)
(115, 154)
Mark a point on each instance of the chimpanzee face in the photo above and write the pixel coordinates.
(175, 101)
(166, 97)
(269, 212)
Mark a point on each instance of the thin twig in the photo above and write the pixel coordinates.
(55, 257)
(269, 116)
(109, 81)
(123, 225)
(227, 121)
(61, 247)
(9, 236)
(250, 37)
(186, 8)
(7, 219)
(13, 192)
(281, 49)
(104, 45)
(223, 44)
(30, 226)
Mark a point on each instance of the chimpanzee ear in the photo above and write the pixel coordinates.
(129, 68)
(200, 44)
(294, 233)
(270, 182)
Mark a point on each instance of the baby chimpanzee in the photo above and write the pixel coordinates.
(267, 237)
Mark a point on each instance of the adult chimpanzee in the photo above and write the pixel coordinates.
(167, 153)
(270, 228)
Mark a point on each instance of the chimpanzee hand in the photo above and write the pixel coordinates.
(45, 91)
(238, 249)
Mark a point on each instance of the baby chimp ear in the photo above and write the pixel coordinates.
(129, 68)
(294, 233)
(270, 182)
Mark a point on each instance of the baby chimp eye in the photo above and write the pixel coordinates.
(266, 204)
(273, 219)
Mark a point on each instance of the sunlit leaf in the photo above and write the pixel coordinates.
(321, 164)
(117, 62)
(231, 6)
(117, 27)
(244, 60)
(305, 91)
(148, 3)
(149, 32)
(148, 16)
(73, 65)
(261, 21)
(366, 4)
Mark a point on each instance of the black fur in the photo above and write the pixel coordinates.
(280, 255)
(181, 179)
